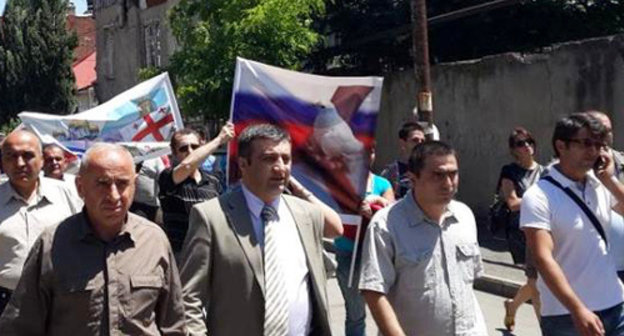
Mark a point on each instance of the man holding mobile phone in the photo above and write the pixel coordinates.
(618, 156)
(616, 232)
(565, 217)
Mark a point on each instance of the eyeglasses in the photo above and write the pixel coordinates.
(522, 143)
(186, 148)
(588, 143)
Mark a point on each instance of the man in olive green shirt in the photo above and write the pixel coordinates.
(103, 271)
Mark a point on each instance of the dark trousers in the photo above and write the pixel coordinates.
(562, 325)
(515, 239)
(355, 306)
(5, 296)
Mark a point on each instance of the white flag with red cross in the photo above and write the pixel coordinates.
(144, 117)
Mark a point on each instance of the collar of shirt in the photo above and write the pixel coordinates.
(255, 204)
(591, 179)
(44, 191)
(85, 230)
(414, 211)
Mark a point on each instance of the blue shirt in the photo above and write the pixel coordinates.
(378, 187)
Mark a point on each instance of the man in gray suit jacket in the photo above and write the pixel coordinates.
(252, 258)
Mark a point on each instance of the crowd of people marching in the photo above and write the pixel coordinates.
(82, 254)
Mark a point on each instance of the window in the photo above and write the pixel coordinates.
(152, 44)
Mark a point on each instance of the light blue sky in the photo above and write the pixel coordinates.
(81, 5)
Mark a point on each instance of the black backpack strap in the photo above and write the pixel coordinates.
(582, 205)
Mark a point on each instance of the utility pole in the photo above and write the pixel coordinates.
(420, 41)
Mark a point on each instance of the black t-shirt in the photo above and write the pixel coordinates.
(176, 202)
(521, 177)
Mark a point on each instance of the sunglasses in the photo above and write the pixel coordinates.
(588, 143)
(522, 143)
(186, 148)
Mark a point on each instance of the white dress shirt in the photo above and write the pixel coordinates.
(293, 259)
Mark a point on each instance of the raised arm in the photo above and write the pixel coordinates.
(606, 175)
(332, 224)
(183, 170)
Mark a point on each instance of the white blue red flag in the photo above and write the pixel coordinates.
(331, 121)
(142, 118)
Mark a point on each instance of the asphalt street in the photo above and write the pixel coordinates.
(492, 306)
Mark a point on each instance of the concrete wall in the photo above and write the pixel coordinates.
(477, 103)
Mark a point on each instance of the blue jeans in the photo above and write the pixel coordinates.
(355, 322)
(562, 325)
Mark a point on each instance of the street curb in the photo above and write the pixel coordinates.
(497, 286)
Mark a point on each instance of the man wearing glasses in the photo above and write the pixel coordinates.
(184, 185)
(565, 217)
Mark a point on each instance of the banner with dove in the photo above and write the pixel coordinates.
(331, 121)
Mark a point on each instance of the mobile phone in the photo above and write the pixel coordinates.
(600, 163)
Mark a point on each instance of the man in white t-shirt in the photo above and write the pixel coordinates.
(580, 291)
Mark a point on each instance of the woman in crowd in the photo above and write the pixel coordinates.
(379, 193)
(515, 179)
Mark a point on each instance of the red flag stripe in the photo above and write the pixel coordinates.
(153, 128)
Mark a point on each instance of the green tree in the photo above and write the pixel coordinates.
(36, 53)
(213, 33)
(375, 35)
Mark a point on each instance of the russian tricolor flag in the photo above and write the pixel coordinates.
(331, 121)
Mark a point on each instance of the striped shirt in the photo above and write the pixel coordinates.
(177, 200)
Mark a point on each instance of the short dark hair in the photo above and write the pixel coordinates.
(259, 131)
(518, 132)
(422, 151)
(568, 127)
(409, 127)
(185, 131)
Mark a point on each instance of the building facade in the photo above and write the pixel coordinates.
(131, 34)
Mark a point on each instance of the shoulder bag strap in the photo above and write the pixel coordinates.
(582, 205)
(535, 175)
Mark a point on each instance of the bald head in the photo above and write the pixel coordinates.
(105, 182)
(22, 136)
(103, 152)
(22, 161)
(604, 119)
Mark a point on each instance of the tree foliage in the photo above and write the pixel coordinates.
(36, 53)
(528, 26)
(213, 33)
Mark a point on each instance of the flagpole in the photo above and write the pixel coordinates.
(355, 251)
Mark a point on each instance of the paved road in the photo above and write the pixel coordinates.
(492, 306)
